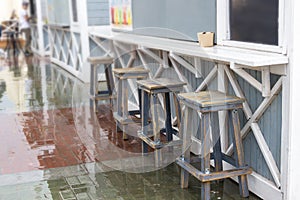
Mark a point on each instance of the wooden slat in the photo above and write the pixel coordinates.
(210, 77)
(213, 176)
(187, 140)
(266, 81)
(100, 44)
(184, 63)
(239, 152)
(132, 59)
(151, 143)
(152, 55)
(100, 60)
(238, 91)
(159, 83)
(205, 159)
(188, 87)
(159, 72)
(122, 120)
(266, 153)
(223, 115)
(158, 145)
(144, 116)
(119, 57)
(132, 70)
(250, 79)
(198, 67)
(144, 62)
(210, 98)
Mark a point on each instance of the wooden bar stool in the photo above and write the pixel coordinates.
(207, 104)
(150, 89)
(95, 93)
(122, 76)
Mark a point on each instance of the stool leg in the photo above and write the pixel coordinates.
(217, 152)
(140, 99)
(156, 131)
(205, 158)
(168, 123)
(93, 82)
(177, 109)
(239, 152)
(154, 120)
(109, 79)
(124, 106)
(93, 105)
(186, 146)
(144, 117)
(119, 102)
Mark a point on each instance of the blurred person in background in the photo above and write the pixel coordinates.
(25, 27)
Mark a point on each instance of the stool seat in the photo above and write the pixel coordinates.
(131, 73)
(208, 101)
(161, 85)
(100, 60)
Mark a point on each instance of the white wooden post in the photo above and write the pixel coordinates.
(40, 24)
(223, 115)
(293, 148)
(84, 35)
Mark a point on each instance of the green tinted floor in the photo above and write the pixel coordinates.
(53, 146)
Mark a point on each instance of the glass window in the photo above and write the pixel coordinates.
(74, 11)
(254, 21)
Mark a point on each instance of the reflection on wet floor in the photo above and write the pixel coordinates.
(26, 87)
(54, 147)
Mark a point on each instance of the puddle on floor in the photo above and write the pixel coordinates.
(86, 184)
(53, 147)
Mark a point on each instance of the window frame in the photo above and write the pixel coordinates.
(223, 30)
(74, 23)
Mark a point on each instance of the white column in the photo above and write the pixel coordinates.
(43, 65)
(293, 147)
(40, 25)
(223, 115)
(83, 21)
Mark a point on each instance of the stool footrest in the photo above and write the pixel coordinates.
(124, 121)
(226, 158)
(213, 176)
(158, 145)
(134, 112)
(101, 97)
(103, 92)
(132, 76)
(174, 131)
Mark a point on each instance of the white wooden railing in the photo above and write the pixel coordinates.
(66, 49)
(231, 66)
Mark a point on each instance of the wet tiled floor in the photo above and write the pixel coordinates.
(54, 147)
